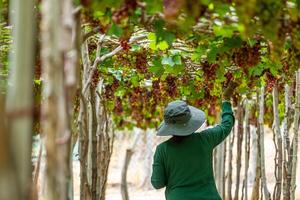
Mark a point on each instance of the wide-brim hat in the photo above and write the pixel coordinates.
(181, 119)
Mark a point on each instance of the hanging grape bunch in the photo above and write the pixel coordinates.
(199, 102)
(135, 98)
(228, 77)
(124, 44)
(209, 70)
(156, 89)
(185, 79)
(271, 81)
(141, 61)
(150, 101)
(95, 79)
(171, 86)
(120, 61)
(118, 109)
(247, 56)
(109, 90)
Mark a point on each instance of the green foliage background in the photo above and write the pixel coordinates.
(190, 51)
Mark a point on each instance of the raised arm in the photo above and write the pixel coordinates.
(217, 134)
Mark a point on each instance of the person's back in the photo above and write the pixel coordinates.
(184, 165)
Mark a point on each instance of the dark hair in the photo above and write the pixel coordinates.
(178, 139)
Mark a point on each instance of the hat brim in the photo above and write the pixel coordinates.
(196, 121)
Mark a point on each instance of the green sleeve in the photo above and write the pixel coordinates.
(158, 178)
(217, 134)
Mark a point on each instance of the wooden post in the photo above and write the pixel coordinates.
(256, 186)
(247, 145)
(19, 103)
(58, 64)
(278, 146)
(128, 155)
(239, 150)
(286, 143)
(295, 138)
(230, 155)
(262, 143)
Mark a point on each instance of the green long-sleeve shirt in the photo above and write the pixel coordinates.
(186, 168)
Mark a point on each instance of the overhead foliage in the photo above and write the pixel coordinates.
(192, 50)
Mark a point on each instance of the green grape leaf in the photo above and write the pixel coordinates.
(199, 51)
(167, 61)
(224, 30)
(135, 80)
(120, 92)
(257, 70)
(162, 34)
(156, 68)
(212, 54)
(115, 30)
(177, 59)
(233, 42)
(163, 45)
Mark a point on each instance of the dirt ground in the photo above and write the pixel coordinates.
(136, 173)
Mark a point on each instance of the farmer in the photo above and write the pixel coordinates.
(183, 164)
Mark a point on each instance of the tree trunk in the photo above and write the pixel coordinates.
(247, 146)
(58, 62)
(93, 142)
(105, 135)
(8, 180)
(262, 144)
(278, 146)
(85, 191)
(239, 150)
(230, 154)
(286, 143)
(256, 186)
(19, 104)
(253, 152)
(128, 155)
(294, 148)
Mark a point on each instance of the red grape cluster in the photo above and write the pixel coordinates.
(156, 89)
(228, 77)
(95, 79)
(126, 10)
(209, 70)
(135, 98)
(124, 44)
(199, 102)
(141, 62)
(118, 109)
(247, 56)
(185, 79)
(109, 90)
(271, 81)
(171, 86)
(212, 109)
